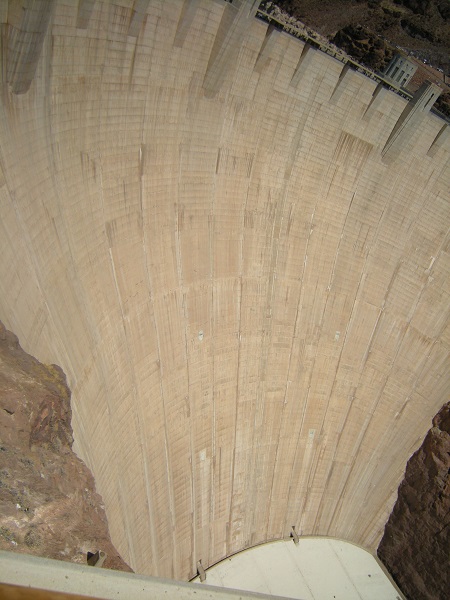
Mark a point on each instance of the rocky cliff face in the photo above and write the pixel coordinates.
(48, 503)
(365, 46)
(372, 31)
(416, 542)
(421, 26)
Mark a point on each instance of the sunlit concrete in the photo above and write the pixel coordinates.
(237, 249)
(57, 576)
(313, 569)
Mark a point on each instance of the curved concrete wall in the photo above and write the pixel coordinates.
(203, 223)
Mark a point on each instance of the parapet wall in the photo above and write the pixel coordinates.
(245, 278)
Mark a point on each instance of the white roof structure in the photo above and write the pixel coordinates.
(313, 569)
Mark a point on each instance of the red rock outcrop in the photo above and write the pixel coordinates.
(416, 543)
(48, 503)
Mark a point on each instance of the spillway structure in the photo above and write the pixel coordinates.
(237, 248)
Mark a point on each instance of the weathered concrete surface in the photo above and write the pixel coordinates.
(48, 503)
(416, 542)
(251, 307)
(44, 574)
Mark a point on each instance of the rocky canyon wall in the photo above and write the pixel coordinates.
(48, 503)
(416, 542)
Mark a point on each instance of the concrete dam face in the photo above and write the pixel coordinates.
(237, 249)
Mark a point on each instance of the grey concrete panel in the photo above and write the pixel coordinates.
(187, 16)
(138, 14)
(267, 49)
(304, 62)
(24, 32)
(440, 140)
(377, 97)
(411, 119)
(84, 13)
